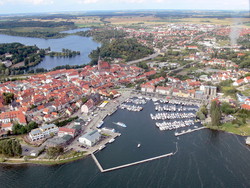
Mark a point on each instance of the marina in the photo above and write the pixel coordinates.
(171, 171)
(169, 116)
(174, 125)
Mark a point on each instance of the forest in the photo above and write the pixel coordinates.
(19, 53)
(13, 24)
(127, 49)
(36, 34)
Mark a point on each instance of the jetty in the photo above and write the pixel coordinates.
(189, 131)
(129, 164)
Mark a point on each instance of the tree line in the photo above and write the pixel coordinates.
(13, 24)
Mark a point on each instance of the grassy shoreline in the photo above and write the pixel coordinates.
(230, 128)
(42, 162)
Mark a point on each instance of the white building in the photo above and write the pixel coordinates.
(43, 132)
(90, 138)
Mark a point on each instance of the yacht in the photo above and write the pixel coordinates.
(139, 145)
(120, 124)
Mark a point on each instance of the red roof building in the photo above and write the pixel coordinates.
(66, 131)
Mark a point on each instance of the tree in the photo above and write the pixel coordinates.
(215, 113)
(10, 147)
(19, 129)
(31, 125)
(54, 151)
(226, 108)
(204, 110)
(200, 115)
(8, 98)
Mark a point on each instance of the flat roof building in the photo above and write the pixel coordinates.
(90, 138)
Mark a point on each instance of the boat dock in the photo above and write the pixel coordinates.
(189, 131)
(129, 164)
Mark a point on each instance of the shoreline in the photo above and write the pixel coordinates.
(49, 162)
(219, 129)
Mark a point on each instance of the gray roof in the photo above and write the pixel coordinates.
(92, 136)
(36, 131)
(59, 140)
(47, 126)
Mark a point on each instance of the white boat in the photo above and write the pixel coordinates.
(111, 140)
(139, 145)
(102, 147)
(100, 124)
(120, 124)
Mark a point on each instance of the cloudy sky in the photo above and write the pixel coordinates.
(31, 6)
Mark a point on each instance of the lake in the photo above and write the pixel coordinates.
(77, 43)
(204, 159)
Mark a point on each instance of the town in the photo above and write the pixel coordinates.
(65, 108)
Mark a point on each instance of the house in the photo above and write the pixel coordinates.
(114, 93)
(245, 106)
(7, 126)
(66, 131)
(147, 88)
(103, 65)
(90, 138)
(247, 79)
(7, 63)
(163, 90)
(239, 82)
(6, 117)
(176, 92)
(87, 106)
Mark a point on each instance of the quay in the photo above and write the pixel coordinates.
(129, 164)
(189, 131)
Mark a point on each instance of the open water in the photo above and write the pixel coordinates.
(204, 159)
(77, 43)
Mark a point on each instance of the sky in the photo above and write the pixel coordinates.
(37, 6)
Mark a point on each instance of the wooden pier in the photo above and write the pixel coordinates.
(130, 164)
(189, 131)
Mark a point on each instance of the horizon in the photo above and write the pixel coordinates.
(9, 7)
(118, 11)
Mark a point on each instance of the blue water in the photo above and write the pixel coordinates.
(77, 43)
(204, 159)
